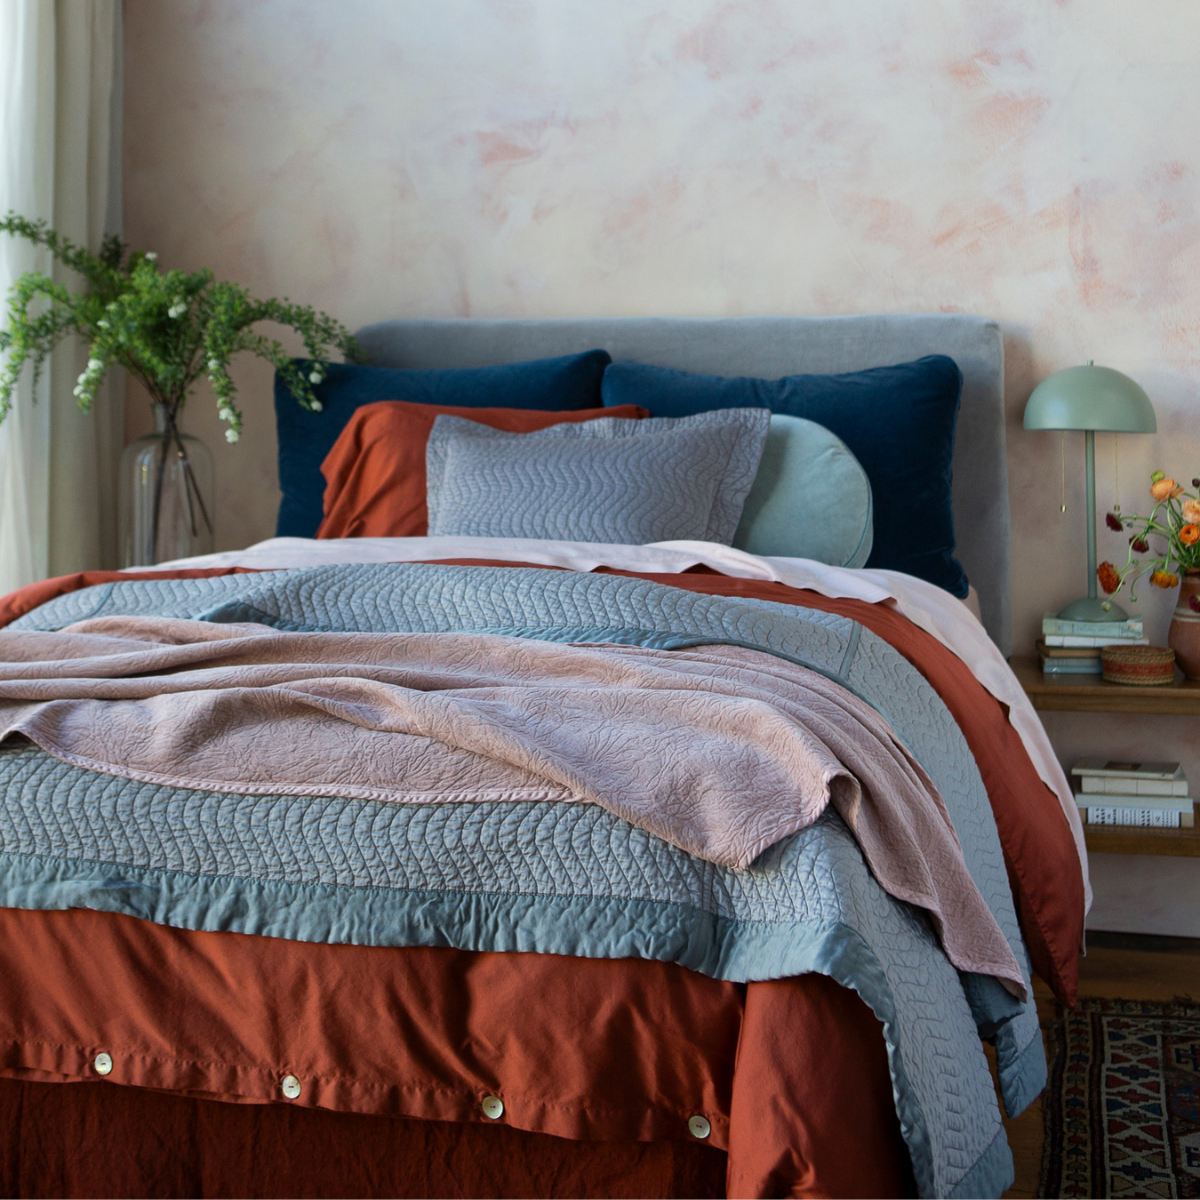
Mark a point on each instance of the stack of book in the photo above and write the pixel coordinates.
(1150, 794)
(1073, 647)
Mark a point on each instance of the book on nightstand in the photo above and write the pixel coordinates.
(1120, 792)
(1151, 778)
(1072, 666)
(1073, 647)
(1144, 818)
(1069, 660)
(1126, 630)
(1118, 777)
(1091, 640)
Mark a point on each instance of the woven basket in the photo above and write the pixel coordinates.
(1143, 666)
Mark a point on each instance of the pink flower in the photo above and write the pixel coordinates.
(1191, 511)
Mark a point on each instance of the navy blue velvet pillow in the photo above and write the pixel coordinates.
(898, 422)
(305, 438)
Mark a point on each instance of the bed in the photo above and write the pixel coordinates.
(267, 990)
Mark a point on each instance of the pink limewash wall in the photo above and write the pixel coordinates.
(1035, 162)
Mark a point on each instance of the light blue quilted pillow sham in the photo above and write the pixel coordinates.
(810, 499)
(606, 480)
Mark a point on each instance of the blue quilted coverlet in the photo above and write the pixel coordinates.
(553, 878)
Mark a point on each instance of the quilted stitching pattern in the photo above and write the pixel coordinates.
(63, 815)
(810, 895)
(599, 481)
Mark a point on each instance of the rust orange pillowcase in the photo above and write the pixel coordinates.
(375, 473)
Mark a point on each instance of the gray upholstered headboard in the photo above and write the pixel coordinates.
(770, 347)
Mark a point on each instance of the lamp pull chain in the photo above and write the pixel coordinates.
(1062, 442)
(1117, 473)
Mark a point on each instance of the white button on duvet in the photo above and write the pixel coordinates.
(699, 1127)
(103, 1064)
(290, 1087)
(492, 1107)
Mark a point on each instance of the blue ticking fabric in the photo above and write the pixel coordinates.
(568, 879)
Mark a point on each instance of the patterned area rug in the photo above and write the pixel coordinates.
(1122, 1108)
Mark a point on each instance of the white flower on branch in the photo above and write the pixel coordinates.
(121, 314)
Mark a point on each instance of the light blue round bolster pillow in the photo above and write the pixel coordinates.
(810, 498)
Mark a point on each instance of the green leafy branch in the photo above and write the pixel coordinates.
(167, 329)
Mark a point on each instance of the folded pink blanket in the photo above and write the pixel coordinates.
(719, 750)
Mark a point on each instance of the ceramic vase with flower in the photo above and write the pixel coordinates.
(1165, 546)
(1184, 636)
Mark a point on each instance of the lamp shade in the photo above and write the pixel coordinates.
(1097, 398)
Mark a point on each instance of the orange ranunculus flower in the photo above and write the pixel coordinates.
(1164, 579)
(1165, 487)
(1191, 511)
(1108, 576)
(1189, 535)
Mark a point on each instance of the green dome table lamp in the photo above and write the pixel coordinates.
(1091, 398)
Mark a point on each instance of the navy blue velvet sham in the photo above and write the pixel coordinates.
(305, 438)
(898, 422)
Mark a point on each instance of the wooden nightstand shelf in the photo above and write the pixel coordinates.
(1089, 693)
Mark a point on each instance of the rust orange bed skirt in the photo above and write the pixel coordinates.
(102, 1140)
(599, 1064)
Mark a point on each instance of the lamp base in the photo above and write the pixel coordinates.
(1092, 608)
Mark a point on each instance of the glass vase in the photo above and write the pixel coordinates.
(166, 495)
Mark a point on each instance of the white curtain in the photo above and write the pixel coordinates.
(59, 160)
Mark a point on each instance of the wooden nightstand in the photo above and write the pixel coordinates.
(1090, 693)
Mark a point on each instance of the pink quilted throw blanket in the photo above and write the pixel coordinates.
(720, 750)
